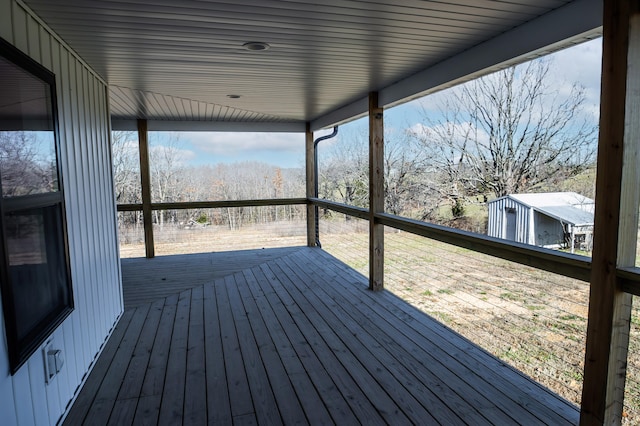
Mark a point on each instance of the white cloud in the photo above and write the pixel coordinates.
(231, 144)
(580, 63)
(180, 155)
(577, 64)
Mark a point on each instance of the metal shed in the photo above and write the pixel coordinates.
(551, 219)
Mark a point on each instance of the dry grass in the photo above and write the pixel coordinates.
(172, 240)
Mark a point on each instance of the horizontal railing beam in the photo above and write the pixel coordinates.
(358, 212)
(557, 262)
(569, 265)
(214, 204)
(630, 280)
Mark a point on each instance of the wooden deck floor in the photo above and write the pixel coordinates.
(296, 338)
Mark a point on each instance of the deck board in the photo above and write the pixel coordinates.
(218, 405)
(283, 388)
(485, 374)
(400, 378)
(172, 274)
(172, 406)
(295, 337)
(309, 383)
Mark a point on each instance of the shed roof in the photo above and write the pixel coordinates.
(568, 207)
(175, 63)
(568, 214)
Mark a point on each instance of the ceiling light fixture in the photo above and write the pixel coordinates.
(233, 96)
(256, 46)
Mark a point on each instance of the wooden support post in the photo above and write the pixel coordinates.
(376, 193)
(311, 177)
(145, 181)
(616, 221)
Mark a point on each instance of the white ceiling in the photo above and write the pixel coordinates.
(176, 61)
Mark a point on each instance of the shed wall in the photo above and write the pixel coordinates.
(549, 231)
(85, 163)
(497, 225)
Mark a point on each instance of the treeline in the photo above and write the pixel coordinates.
(173, 180)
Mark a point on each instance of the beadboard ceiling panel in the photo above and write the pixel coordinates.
(179, 61)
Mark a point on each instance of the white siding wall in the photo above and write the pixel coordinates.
(95, 268)
(497, 226)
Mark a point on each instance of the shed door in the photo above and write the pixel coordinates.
(510, 233)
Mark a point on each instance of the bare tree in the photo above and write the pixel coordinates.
(166, 164)
(344, 171)
(509, 132)
(27, 163)
(126, 169)
(409, 185)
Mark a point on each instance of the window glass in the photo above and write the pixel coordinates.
(36, 263)
(27, 142)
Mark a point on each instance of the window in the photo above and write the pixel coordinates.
(34, 260)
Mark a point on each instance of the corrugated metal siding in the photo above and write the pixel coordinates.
(497, 226)
(549, 231)
(86, 168)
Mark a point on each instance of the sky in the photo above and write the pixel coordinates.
(578, 64)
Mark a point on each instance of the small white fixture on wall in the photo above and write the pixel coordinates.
(53, 361)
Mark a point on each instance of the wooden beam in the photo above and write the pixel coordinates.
(190, 205)
(376, 193)
(628, 227)
(145, 181)
(349, 210)
(211, 126)
(310, 180)
(609, 306)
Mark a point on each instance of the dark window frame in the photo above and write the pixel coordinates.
(20, 350)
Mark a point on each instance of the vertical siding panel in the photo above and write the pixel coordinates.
(112, 198)
(83, 180)
(112, 258)
(532, 228)
(6, 381)
(102, 159)
(22, 397)
(37, 389)
(85, 302)
(45, 48)
(55, 388)
(524, 226)
(70, 370)
(64, 109)
(33, 39)
(19, 28)
(106, 243)
(103, 241)
(90, 205)
(95, 181)
(6, 26)
(118, 302)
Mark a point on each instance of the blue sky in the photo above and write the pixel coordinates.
(578, 64)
